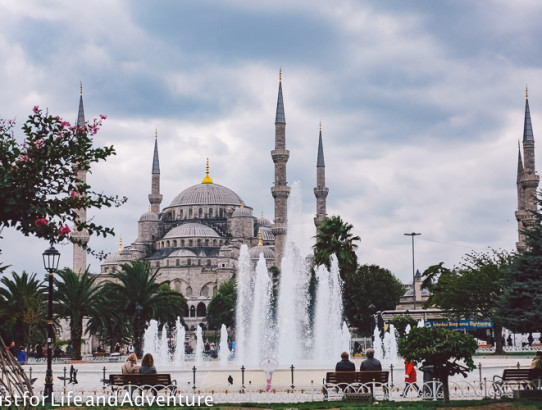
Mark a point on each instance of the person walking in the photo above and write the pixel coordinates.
(370, 363)
(345, 365)
(21, 355)
(410, 378)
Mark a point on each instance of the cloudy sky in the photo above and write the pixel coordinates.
(421, 105)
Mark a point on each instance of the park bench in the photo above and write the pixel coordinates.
(519, 378)
(351, 383)
(155, 382)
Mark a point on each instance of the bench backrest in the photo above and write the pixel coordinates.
(521, 374)
(140, 379)
(366, 376)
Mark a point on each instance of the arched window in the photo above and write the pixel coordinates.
(214, 242)
(205, 291)
(189, 262)
(167, 244)
(206, 242)
(192, 311)
(190, 213)
(186, 311)
(208, 262)
(199, 242)
(221, 242)
(175, 243)
(210, 212)
(200, 213)
(177, 262)
(182, 243)
(190, 242)
(167, 262)
(202, 310)
(181, 214)
(188, 291)
(157, 264)
(199, 262)
(221, 212)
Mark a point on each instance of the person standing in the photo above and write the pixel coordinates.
(345, 365)
(131, 348)
(410, 378)
(370, 363)
(21, 355)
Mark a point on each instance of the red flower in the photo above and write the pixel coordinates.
(35, 109)
(103, 117)
(40, 223)
(64, 230)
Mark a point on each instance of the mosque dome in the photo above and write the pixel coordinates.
(207, 194)
(264, 221)
(112, 259)
(267, 234)
(255, 252)
(242, 212)
(148, 217)
(191, 230)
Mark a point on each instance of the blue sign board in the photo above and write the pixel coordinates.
(462, 324)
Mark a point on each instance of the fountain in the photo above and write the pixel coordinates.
(224, 351)
(199, 346)
(180, 335)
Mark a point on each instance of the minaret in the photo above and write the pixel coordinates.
(155, 198)
(321, 191)
(280, 190)
(527, 180)
(79, 252)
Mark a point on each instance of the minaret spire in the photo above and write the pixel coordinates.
(527, 179)
(280, 190)
(320, 191)
(79, 251)
(155, 198)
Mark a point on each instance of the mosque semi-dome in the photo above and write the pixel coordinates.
(207, 194)
(255, 252)
(239, 212)
(190, 230)
(149, 216)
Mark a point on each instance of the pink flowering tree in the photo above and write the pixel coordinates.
(40, 191)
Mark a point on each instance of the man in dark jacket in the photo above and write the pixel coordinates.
(370, 363)
(345, 364)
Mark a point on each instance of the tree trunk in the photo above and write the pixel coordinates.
(499, 341)
(76, 335)
(443, 373)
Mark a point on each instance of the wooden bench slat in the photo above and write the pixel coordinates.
(366, 376)
(140, 379)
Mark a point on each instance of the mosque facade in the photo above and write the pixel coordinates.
(195, 240)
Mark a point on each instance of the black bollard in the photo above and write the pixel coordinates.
(65, 370)
(480, 371)
(292, 370)
(194, 378)
(104, 376)
(243, 376)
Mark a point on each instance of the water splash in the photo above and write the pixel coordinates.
(224, 351)
(199, 346)
(180, 335)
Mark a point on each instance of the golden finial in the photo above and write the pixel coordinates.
(155, 134)
(207, 179)
(320, 125)
(280, 75)
(261, 217)
(120, 244)
(260, 238)
(149, 211)
(81, 88)
(526, 92)
(242, 204)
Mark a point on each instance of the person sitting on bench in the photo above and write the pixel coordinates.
(370, 363)
(345, 364)
(147, 365)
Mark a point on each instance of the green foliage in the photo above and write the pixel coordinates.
(370, 284)
(221, 309)
(140, 297)
(437, 347)
(23, 309)
(400, 322)
(40, 191)
(334, 237)
(471, 290)
(75, 297)
(520, 306)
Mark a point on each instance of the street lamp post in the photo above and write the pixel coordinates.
(412, 235)
(51, 257)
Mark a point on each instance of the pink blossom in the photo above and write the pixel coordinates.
(65, 124)
(24, 158)
(35, 109)
(75, 194)
(103, 117)
(41, 222)
(93, 129)
(64, 230)
(39, 143)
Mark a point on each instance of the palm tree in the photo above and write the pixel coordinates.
(141, 297)
(75, 296)
(335, 237)
(23, 305)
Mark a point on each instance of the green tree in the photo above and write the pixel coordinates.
(334, 237)
(141, 298)
(40, 191)
(472, 290)
(221, 309)
(23, 308)
(520, 306)
(74, 298)
(370, 284)
(400, 322)
(437, 347)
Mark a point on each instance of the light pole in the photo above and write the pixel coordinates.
(412, 235)
(51, 257)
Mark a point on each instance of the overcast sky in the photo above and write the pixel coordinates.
(421, 104)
